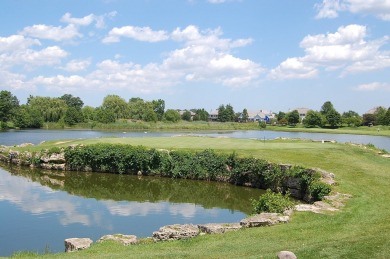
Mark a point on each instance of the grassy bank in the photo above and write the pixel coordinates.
(360, 230)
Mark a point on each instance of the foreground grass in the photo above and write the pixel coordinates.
(360, 230)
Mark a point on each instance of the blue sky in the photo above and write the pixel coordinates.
(273, 55)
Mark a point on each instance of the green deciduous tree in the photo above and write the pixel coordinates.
(89, 113)
(314, 119)
(72, 101)
(351, 118)
(172, 115)
(369, 119)
(8, 106)
(244, 115)
(201, 115)
(105, 115)
(159, 108)
(226, 114)
(333, 118)
(387, 117)
(293, 117)
(51, 109)
(26, 117)
(117, 105)
(73, 115)
(380, 115)
(186, 116)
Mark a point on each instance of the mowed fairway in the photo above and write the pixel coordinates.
(360, 230)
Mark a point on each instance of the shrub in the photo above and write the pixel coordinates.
(272, 202)
(318, 190)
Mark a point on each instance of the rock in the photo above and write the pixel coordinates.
(213, 228)
(74, 244)
(54, 158)
(286, 255)
(175, 232)
(264, 219)
(123, 239)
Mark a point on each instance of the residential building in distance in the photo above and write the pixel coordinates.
(213, 115)
(260, 115)
(302, 112)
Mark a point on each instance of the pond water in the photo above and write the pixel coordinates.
(15, 137)
(39, 209)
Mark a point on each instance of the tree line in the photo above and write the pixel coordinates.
(70, 110)
(328, 116)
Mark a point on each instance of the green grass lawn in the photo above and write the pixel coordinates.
(360, 230)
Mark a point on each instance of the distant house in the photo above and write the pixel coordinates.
(302, 112)
(181, 112)
(260, 115)
(373, 110)
(213, 115)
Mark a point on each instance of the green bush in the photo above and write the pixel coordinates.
(318, 190)
(272, 202)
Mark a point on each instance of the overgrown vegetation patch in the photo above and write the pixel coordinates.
(303, 183)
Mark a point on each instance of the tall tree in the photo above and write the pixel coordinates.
(26, 117)
(293, 117)
(72, 101)
(313, 119)
(387, 117)
(201, 115)
(186, 116)
(117, 105)
(51, 109)
(333, 117)
(159, 108)
(369, 119)
(172, 115)
(351, 118)
(327, 107)
(226, 114)
(8, 106)
(380, 115)
(244, 115)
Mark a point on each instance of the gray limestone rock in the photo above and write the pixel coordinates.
(175, 232)
(75, 244)
(264, 219)
(214, 228)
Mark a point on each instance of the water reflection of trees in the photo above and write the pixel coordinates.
(152, 189)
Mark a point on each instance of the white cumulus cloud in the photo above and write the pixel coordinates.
(374, 86)
(347, 50)
(16, 42)
(136, 33)
(77, 65)
(48, 32)
(332, 8)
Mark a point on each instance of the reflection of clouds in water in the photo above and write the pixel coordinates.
(134, 208)
(37, 199)
(185, 210)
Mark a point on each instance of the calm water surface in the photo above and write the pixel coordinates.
(15, 137)
(39, 209)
